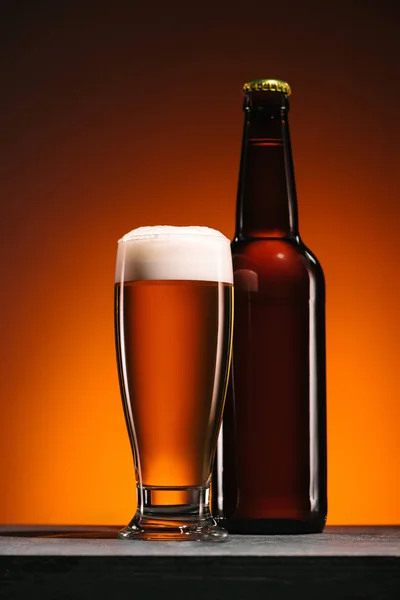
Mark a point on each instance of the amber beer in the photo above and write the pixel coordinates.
(270, 474)
(171, 353)
(173, 303)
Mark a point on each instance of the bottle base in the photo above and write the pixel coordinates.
(273, 526)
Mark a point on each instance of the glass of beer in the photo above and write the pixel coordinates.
(173, 324)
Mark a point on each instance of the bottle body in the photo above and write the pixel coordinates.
(273, 453)
(270, 475)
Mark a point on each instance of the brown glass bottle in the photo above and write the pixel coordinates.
(270, 470)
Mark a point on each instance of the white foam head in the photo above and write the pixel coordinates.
(180, 253)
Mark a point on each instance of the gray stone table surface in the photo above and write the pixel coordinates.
(92, 541)
(63, 563)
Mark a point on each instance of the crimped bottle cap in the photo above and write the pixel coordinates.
(267, 85)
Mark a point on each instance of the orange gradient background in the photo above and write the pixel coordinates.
(115, 116)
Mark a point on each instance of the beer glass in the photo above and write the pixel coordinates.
(173, 324)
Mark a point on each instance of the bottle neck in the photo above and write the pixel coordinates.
(266, 203)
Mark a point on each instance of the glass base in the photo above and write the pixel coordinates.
(173, 514)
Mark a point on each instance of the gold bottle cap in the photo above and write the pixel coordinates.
(267, 85)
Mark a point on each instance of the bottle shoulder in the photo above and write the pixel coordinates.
(275, 261)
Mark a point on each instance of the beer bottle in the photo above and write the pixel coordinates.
(270, 470)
